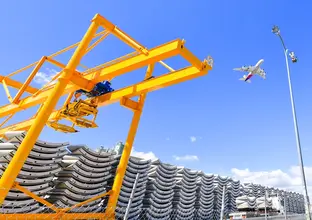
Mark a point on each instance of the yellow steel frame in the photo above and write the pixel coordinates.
(69, 80)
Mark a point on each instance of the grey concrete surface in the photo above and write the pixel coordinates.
(66, 175)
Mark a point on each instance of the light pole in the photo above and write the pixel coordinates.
(276, 31)
(285, 205)
(265, 204)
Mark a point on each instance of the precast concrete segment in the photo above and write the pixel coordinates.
(246, 202)
(85, 174)
(36, 175)
(135, 166)
(66, 175)
(205, 196)
(160, 184)
(233, 194)
(260, 203)
(220, 182)
(250, 192)
(185, 194)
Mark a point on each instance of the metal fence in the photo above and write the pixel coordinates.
(15, 211)
(289, 217)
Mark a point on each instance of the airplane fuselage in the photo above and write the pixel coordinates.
(257, 66)
(254, 70)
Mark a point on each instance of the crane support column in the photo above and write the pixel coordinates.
(121, 170)
(21, 155)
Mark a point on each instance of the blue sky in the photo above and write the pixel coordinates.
(236, 125)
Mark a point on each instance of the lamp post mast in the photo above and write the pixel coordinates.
(276, 31)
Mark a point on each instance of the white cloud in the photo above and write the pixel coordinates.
(290, 180)
(45, 77)
(193, 138)
(186, 158)
(144, 155)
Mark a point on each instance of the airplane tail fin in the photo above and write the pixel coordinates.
(244, 79)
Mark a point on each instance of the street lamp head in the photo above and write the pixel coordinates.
(276, 30)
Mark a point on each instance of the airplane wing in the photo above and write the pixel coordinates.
(244, 69)
(261, 73)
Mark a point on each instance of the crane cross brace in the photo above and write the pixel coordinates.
(68, 80)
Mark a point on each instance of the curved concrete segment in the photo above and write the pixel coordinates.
(66, 175)
(136, 168)
(37, 174)
(185, 194)
(252, 196)
(85, 174)
(158, 201)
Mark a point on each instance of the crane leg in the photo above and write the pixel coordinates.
(121, 170)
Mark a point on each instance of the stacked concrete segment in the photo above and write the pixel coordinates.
(246, 202)
(185, 194)
(254, 190)
(294, 203)
(300, 203)
(244, 191)
(233, 193)
(220, 183)
(290, 201)
(260, 204)
(66, 176)
(36, 175)
(297, 203)
(250, 192)
(205, 196)
(85, 174)
(159, 191)
(137, 168)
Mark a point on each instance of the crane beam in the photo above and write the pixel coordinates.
(162, 52)
(150, 85)
(17, 85)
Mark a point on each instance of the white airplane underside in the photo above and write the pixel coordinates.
(252, 70)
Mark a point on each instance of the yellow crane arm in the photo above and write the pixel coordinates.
(159, 53)
(150, 85)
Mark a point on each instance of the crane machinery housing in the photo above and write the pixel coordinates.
(94, 83)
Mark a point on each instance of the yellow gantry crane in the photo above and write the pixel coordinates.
(69, 80)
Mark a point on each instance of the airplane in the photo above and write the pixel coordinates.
(253, 70)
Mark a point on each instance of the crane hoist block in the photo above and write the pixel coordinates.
(79, 108)
(76, 112)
